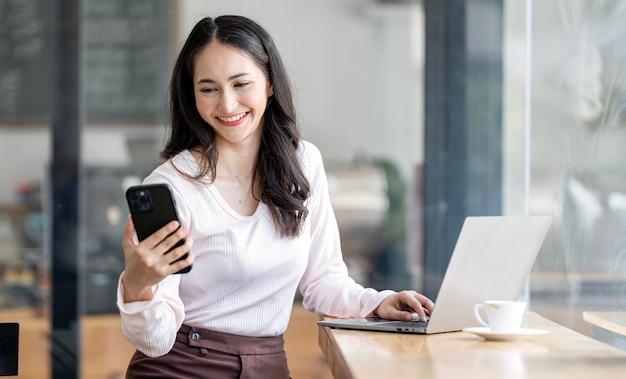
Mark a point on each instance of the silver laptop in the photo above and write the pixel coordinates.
(492, 259)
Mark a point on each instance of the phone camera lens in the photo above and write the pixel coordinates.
(139, 201)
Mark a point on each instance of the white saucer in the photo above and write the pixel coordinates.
(487, 334)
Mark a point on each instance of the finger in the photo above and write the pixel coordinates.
(398, 314)
(415, 302)
(174, 264)
(402, 307)
(184, 263)
(179, 251)
(428, 304)
(421, 313)
(173, 241)
(160, 235)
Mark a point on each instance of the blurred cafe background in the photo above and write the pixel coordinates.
(426, 111)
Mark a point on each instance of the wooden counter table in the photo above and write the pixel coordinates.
(614, 321)
(608, 327)
(561, 353)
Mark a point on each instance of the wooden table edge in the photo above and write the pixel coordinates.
(333, 356)
(596, 319)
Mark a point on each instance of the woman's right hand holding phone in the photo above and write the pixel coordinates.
(146, 262)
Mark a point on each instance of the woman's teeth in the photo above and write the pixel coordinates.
(232, 118)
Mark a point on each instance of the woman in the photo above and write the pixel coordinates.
(254, 208)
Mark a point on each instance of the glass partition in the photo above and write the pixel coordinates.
(576, 129)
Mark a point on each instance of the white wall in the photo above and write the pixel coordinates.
(356, 69)
(24, 152)
(356, 81)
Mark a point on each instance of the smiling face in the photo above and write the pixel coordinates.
(231, 93)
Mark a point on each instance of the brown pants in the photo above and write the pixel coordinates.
(202, 353)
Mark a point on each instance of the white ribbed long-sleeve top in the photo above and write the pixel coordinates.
(245, 275)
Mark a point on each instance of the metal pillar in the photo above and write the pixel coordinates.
(463, 152)
(66, 120)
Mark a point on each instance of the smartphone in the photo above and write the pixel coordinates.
(151, 208)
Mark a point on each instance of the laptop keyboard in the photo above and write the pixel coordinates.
(409, 324)
(400, 324)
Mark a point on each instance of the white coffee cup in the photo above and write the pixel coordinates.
(502, 316)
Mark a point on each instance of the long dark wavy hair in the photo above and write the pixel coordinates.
(283, 186)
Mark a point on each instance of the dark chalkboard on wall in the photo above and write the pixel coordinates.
(126, 60)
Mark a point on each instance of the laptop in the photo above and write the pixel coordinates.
(491, 260)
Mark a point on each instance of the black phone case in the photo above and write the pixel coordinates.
(151, 207)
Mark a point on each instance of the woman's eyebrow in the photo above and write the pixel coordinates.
(232, 77)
